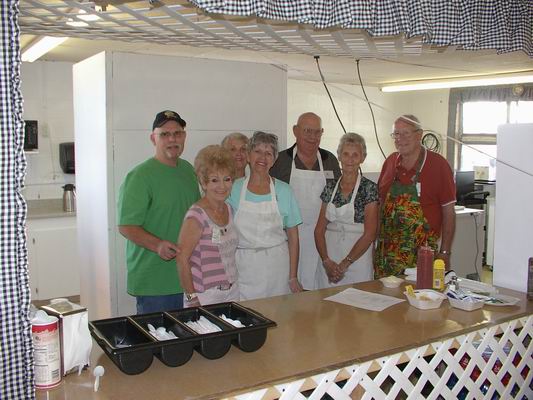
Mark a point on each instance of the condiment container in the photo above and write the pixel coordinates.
(466, 304)
(391, 281)
(46, 350)
(425, 299)
(438, 274)
(424, 268)
(75, 338)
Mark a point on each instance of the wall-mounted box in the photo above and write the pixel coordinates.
(66, 157)
(31, 135)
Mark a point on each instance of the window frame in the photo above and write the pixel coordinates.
(458, 96)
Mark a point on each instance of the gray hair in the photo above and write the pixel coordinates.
(411, 120)
(260, 137)
(353, 138)
(235, 136)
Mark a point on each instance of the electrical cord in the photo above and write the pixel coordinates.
(371, 110)
(327, 91)
(443, 137)
(431, 141)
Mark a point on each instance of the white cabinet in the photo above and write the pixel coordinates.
(53, 257)
(514, 210)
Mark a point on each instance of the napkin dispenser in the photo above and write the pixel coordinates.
(76, 342)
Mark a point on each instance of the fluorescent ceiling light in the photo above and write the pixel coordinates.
(87, 17)
(456, 83)
(41, 47)
(76, 24)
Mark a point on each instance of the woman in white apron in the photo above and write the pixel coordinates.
(267, 219)
(348, 219)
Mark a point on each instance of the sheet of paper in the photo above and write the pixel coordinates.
(366, 300)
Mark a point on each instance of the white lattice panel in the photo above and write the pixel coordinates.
(490, 363)
(179, 22)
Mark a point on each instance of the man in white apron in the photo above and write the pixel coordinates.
(306, 167)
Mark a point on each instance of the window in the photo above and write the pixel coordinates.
(521, 112)
(478, 128)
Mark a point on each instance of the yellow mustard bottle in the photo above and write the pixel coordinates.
(438, 274)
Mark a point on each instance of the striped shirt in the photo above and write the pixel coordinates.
(213, 259)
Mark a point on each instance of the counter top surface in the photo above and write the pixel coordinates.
(312, 336)
(467, 211)
(47, 208)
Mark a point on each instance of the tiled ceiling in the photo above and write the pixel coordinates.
(177, 27)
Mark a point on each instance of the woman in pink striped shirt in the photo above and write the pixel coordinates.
(208, 239)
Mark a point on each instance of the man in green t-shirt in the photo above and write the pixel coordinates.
(153, 200)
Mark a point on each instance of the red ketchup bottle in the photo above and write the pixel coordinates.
(424, 267)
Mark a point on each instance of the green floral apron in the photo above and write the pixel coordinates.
(403, 229)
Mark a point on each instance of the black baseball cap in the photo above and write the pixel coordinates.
(165, 116)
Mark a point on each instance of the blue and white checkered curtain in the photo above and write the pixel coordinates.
(503, 25)
(16, 357)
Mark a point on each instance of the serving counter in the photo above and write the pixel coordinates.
(332, 348)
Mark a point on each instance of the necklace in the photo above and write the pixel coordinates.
(218, 214)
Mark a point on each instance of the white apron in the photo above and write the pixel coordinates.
(262, 255)
(307, 186)
(341, 234)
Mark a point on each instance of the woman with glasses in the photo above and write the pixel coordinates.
(267, 219)
(348, 219)
(208, 238)
(417, 198)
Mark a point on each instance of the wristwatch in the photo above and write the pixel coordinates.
(190, 296)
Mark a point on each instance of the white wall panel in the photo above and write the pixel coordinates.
(430, 106)
(93, 160)
(208, 94)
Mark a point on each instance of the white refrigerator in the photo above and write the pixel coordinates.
(513, 236)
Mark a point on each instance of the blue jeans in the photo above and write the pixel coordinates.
(149, 304)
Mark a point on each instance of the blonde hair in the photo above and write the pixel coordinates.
(235, 136)
(213, 158)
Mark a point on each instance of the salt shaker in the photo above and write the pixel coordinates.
(453, 286)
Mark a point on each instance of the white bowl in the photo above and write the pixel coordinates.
(391, 281)
(466, 305)
(425, 299)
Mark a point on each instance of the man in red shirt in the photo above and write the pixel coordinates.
(417, 197)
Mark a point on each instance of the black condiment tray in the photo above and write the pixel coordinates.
(127, 341)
